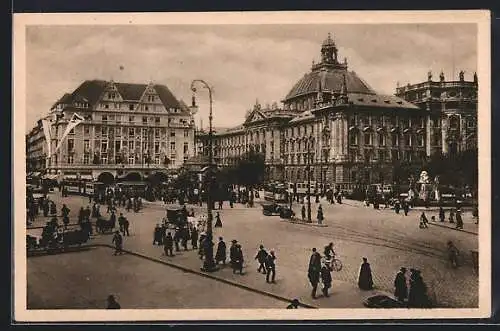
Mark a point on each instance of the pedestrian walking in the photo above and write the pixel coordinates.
(112, 303)
(118, 241)
(126, 225)
(236, 256)
(397, 206)
(314, 270)
(184, 237)
(168, 245)
(218, 222)
(303, 213)
(460, 223)
(201, 251)
(121, 219)
(220, 255)
(406, 207)
(194, 237)
(261, 257)
(329, 252)
(320, 215)
(441, 214)
(417, 298)
(365, 280)
(326, 278)
(177, 238)
(271, 267)
(157, 240)
(400, 287)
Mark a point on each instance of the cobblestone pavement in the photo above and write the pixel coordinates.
(389, 241)
(83, 280)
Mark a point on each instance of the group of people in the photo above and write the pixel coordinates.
(319, 214)
(411, 289)
(267, 264)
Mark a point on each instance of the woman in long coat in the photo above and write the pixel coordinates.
(401, 289)
(365, 281)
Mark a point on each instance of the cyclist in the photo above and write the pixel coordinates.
(452, 254)
(329, 252)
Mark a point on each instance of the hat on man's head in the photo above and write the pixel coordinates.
(234, 241)
(403, 269)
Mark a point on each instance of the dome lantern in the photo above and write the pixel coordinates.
(329, 50)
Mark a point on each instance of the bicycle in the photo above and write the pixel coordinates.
(334, 264)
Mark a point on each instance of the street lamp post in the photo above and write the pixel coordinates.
(323, 156)
(209, 263)
(308, 141)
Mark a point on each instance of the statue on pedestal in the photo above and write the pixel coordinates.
(425, 186)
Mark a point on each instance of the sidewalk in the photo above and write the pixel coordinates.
(342, 294)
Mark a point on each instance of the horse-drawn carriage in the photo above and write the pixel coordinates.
(56, 238)
(176, 216)
(272, 208)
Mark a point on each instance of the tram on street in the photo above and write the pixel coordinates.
(276, 192)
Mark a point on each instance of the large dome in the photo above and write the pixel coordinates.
(329, 80)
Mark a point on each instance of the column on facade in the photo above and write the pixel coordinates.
(334, 138)
(428, 135)
(444, 132)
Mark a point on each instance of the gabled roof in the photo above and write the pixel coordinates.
(90, 91)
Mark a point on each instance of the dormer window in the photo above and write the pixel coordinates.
(131, 107)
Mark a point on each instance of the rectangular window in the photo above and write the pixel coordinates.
(144, 133)
(157, 159)
(86, 159)
(157, 120)
(117, 105)
(422, 122)
(407, 140)
(172, 133)
(104, 118)
(471, 123)
(157, 147)
(71, 145)
(395, 155)
(104, 131)
(104, 146)
(86, 129)
(131, 160)
(353, 138)
(70, 159)
(394, 140)
(172, 147)
(106, 106)
(118, 146)
(381, 155)
(144, 119)
(131, 118)
(131, 146)
(420, 140)
(186, 148)
(381, 139)
(186, 133)
(130, 107)
(131, 132)
(86, 145)
(368, 139)
(104, 159)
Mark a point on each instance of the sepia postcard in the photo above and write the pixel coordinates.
(251, 166)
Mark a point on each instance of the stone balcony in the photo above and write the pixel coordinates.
(81, 166)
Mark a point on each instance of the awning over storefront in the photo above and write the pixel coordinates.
(86, 177)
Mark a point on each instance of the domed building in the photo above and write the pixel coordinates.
(334, 124)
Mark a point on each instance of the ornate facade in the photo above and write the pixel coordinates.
(135, 130)
(333, 123)
(452, 108)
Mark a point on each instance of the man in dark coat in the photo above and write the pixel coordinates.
(220, 255)
(168, 245)
(401, 289)
(314, 271)
(112, 219)
(118, 241)
(271, 267)
(320, 215)
(460, 223)
(441, 214)
(326, 278)
(157, 235)
(365, 281)
(303, 212)
(81, 215)
(185, 237)
(194, 237)
(234, 256)
(261, 257)
(126, 225)
(177, 238)
(406, 207)
(120, 222)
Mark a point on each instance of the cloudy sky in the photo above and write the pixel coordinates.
(242, 63)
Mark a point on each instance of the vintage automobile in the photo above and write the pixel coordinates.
(104, 226)
(270, 209)
(57, 239)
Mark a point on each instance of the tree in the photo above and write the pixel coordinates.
(250, 168)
